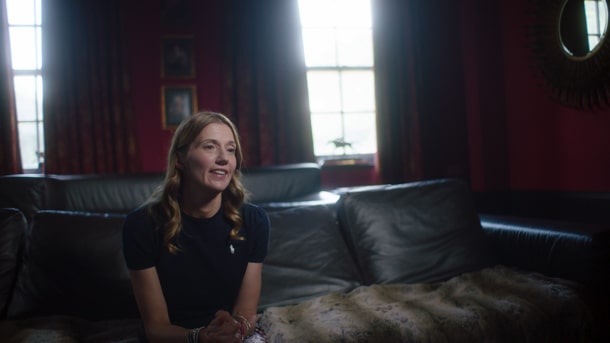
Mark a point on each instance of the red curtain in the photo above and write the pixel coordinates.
(88, 114)
(10, 159)
(421, 112)
(265, 86)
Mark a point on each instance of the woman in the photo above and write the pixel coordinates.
(195, 250)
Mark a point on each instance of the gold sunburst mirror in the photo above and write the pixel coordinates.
(571, 50)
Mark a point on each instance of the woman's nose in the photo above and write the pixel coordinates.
(222, 157)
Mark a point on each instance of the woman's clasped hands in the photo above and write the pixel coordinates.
(223, 328)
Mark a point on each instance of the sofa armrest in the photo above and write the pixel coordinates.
(576, 251)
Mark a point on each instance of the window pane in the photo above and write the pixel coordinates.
(29, 145)
(360, 132)
(22, 12)
(597, 16)
(324, 91)
(603, 16)
(592, 17)
(593, 40)
(358, 91)
(359, 13)
(318, 12)
(326, 128)
(319, 46)
(23, 48)
(355, 47)
(38, 12)
(25, 97)
(333, 13)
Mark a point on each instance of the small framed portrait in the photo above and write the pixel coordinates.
(177, 104)
(177, 60)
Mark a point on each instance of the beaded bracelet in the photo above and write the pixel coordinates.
(193, 336)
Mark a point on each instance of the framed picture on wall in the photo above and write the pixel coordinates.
(177, 104)
(177, 60)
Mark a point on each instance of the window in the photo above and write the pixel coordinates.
(25, 30)
(597, 21)
(338, 46)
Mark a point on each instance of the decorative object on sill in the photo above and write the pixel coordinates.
(574, 74)
(341, 143)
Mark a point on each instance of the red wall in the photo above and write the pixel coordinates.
(145, 31)
(551, 146)
(536, 143)
(518, 138)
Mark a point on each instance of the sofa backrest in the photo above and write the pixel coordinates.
(572, 206)
(100, 193)
(424, 231)
(307, 257)
(25, 192)
(571, 250)
(73, 265)
(31, 193)
(291, 182)
(122, 193)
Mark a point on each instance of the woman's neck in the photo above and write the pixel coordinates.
(198, 207)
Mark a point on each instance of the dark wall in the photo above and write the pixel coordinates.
(518, 137)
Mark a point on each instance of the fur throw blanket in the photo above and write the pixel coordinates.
(492, 305)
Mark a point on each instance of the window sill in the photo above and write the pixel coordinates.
(347, 161)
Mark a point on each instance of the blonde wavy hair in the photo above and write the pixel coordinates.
(164, 202)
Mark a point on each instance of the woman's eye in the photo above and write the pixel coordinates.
(209, 147)
(231, 150)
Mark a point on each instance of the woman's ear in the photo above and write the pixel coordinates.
(179, 163)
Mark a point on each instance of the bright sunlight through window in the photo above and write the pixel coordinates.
(596, 14)
(25, 30)
(338, 45)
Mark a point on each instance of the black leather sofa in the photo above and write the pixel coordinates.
(335, 258)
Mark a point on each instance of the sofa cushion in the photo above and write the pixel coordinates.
(307, 257)
(73, 265)
(415, 232)
(12, 230)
